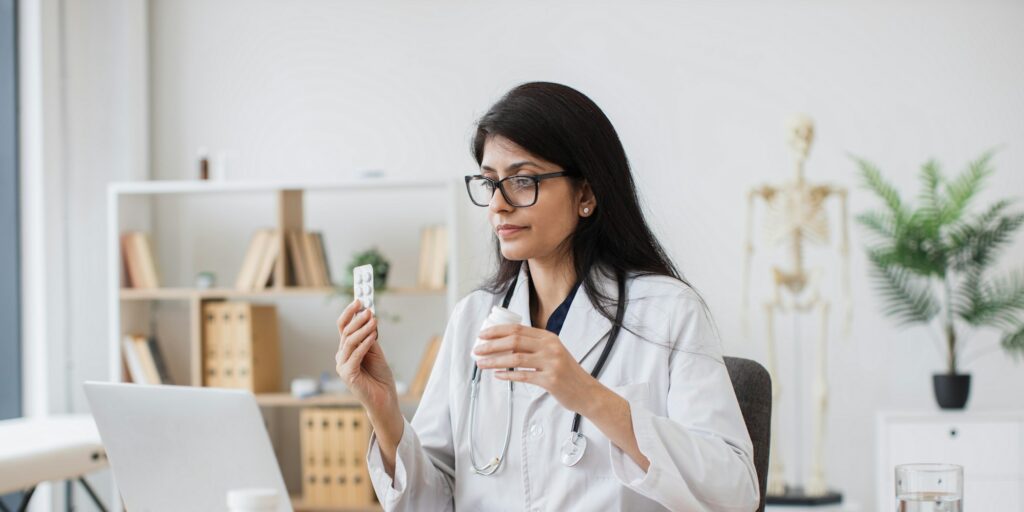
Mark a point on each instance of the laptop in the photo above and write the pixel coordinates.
(180, 448)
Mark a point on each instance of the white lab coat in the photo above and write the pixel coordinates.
(684, 410)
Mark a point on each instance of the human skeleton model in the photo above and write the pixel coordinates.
(796, 215)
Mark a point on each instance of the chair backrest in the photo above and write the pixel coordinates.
(753, 387)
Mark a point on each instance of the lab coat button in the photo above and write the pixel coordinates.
(536, 430)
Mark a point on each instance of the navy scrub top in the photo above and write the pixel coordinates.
(558, 316)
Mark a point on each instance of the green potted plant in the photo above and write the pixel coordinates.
(933, 262)
(371, 256)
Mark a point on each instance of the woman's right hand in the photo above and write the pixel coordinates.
(361, 363)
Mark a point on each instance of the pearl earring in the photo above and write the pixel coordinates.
(586, 210)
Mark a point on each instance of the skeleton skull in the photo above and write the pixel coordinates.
(800, 134)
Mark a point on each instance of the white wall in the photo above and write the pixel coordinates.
(698, 92)
(83, 107)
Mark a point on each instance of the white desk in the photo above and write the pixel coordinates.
(36, 450)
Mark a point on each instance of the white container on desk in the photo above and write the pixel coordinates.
(989, 445)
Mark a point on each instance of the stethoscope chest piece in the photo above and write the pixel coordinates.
(573, 448)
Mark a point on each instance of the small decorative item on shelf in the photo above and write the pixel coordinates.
(933, 262)
(304, 387)
(204, 164)
(331, 383)
(206, 280)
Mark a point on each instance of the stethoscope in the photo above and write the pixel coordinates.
(572, 449)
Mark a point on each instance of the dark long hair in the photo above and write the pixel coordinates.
(563, 126)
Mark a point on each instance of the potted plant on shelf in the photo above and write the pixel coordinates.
(933, 262)
(371, 256)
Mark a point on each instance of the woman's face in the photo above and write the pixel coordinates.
(533, 232)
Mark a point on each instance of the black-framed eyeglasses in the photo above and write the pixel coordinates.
(519, 190)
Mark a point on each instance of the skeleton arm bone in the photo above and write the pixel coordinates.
(844, 254)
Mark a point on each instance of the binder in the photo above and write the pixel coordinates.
(324, 490)
(361, 491)
(337, 453)
(333, 444)
(232, 344)
(307, 434)
(211, 344)
(241, 346)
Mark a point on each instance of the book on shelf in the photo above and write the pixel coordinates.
(433, 263)
(296, 258)
(251, 263)
(322, 255)
(144, 360)
(138, 261)
(271, 251)
(419, 382)
(304, 254)
(162, 368)
(315, 258)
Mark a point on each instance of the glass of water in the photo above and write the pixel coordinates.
(929, 488)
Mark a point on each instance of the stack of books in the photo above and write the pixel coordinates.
(241, 348)
(303, 253)
(144, 360)
(138, 262)
(307, 259)
(333, 444)
(433, 258)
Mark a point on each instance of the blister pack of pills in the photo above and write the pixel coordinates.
(362, 286)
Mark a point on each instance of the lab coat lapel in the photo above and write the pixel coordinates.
(584, 325)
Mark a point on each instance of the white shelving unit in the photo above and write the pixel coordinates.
(131, 206)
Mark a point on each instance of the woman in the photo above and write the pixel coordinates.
(660, 421)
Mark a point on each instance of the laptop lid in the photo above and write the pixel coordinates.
(180, 448)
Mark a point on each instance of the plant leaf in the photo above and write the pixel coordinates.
(1013, 342)
(873, 180)
(931, 201)
(976, 244)
(997, 303)
(881, 224)
(909, 299)
(961, 190)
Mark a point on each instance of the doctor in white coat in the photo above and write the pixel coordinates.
(660, 421)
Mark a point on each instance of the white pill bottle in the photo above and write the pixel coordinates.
(498, 316)
(252, 500)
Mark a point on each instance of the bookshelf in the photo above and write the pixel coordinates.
(137, 206)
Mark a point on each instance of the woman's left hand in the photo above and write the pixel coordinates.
(553, 367)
